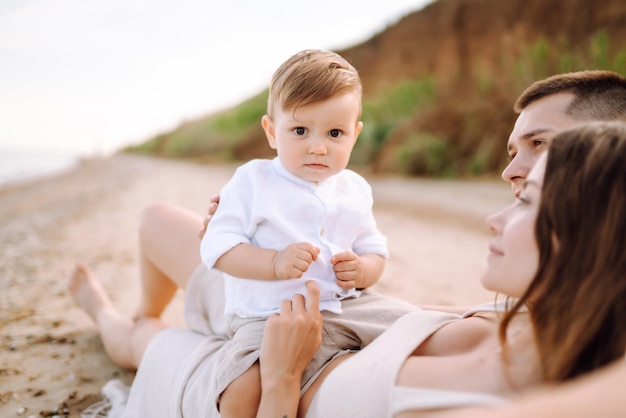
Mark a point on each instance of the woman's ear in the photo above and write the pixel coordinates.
(268, 127)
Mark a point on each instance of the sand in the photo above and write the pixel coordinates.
(51, 358)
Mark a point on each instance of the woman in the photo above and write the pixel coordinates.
(558, 251)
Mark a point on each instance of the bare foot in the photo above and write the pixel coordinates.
(87, 292)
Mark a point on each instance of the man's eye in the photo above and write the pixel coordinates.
(300, 131)
(334, 133)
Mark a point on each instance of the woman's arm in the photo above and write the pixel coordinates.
(290, 340)
(598, 394)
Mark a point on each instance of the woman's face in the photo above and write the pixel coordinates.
(513, 254)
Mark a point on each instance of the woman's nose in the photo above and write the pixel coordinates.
(495, 221)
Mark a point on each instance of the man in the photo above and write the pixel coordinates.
(556, 103)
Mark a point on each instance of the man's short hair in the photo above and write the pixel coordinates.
(598, 95)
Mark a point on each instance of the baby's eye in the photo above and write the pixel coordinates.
(334, 133)
(300, 131)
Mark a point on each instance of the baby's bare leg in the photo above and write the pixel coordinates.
(241, 398)
(124, 339)
(169, 251)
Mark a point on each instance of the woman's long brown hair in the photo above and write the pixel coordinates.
(577, 300)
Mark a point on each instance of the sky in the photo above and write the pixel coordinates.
(89, 77)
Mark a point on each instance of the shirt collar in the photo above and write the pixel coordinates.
(280, 169)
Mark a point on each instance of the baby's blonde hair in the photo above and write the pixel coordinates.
(309, 77)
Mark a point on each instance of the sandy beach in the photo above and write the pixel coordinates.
(51, 358)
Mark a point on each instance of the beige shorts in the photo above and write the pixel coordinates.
(363, 319)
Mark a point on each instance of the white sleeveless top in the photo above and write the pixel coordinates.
(365, 385)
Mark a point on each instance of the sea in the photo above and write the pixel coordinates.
(19, 165)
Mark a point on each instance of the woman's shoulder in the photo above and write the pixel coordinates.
(499, 306)
(460, 336)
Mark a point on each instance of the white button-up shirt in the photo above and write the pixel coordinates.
(267, 206)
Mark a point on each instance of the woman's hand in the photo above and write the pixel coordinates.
(290, 340)
(215, 200)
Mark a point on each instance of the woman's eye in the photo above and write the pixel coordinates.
(539, 143)
(300, 131)
(334, 133)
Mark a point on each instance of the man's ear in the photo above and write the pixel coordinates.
(268, 127)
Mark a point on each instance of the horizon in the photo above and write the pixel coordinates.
(91, 78)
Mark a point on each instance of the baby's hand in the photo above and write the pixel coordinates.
(294, 260)
(348, 269)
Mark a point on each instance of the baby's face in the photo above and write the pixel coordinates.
(315, 141)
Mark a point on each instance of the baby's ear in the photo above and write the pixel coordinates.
(268, 127)
(359, 128)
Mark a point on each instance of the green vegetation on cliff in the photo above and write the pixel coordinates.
(445, 121)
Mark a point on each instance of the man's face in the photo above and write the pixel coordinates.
(536, 125)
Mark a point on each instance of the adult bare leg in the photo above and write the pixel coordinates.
(124, 339)
(169, 252)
